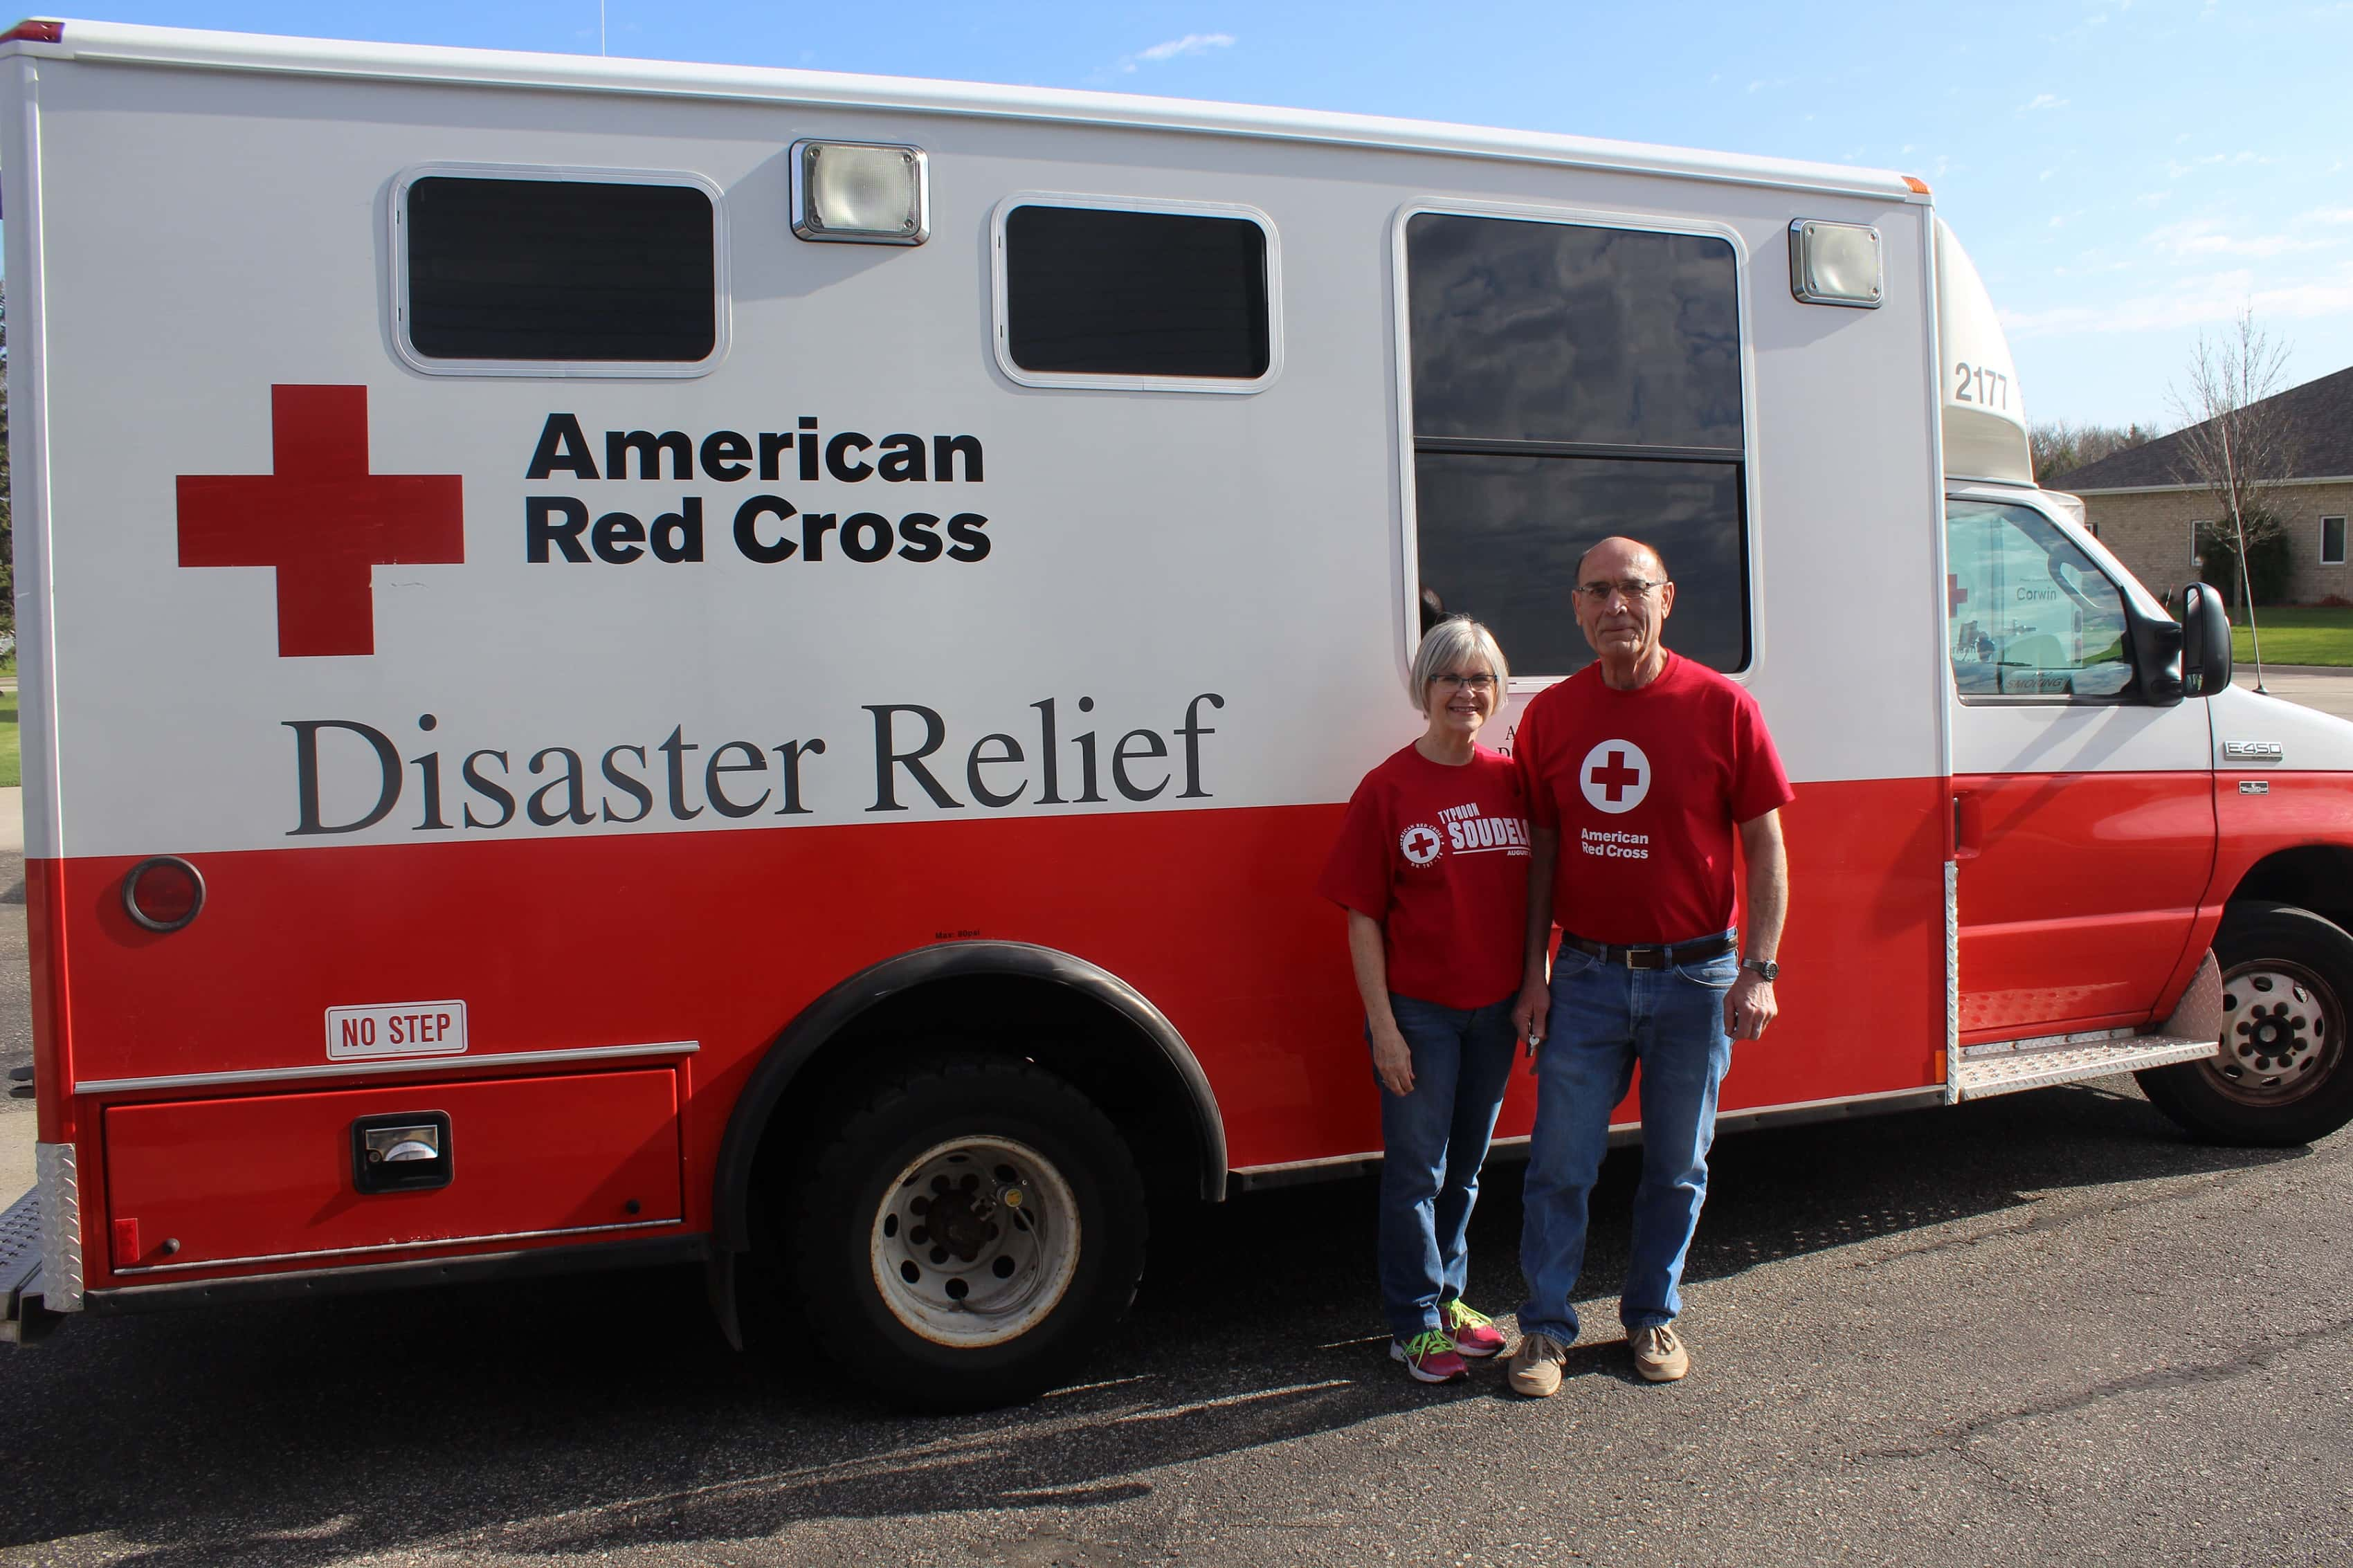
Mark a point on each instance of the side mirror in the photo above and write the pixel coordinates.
(2206, 641)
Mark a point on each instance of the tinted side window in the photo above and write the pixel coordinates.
(1550, 332)
(1571, 382)
(2031, 615)
(560, 271)
(1100, 291)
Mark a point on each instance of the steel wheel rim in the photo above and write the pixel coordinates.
(975, 1242)
(2283, 1033)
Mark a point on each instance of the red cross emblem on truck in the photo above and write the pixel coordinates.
(321, 520)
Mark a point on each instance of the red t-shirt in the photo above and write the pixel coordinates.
(1646, 788)
(1438, 855)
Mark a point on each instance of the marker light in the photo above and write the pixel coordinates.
(163, 894)
(865, 192)
(1835, 264)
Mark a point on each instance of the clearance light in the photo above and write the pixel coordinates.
(1835, 264)
(163, 894)
(865, 192)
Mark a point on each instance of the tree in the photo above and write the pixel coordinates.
(2060, 446)
(2237, 439)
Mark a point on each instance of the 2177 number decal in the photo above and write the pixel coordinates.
(1992, 386)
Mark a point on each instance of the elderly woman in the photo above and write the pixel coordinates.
(1432, 866)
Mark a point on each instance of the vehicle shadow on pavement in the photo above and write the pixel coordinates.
(604, 1412)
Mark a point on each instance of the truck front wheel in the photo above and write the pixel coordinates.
(972, 1230)
(2283, 1076)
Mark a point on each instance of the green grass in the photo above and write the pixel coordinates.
(12, 771)
(2298, 634)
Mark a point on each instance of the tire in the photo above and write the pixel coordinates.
(1040, 1251)
(2285, 1076)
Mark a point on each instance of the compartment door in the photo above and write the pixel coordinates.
(271, 1178)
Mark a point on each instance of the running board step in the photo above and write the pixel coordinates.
(21, 1318)
(2035, 1064)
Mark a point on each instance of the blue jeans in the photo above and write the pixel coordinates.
(1434, 1141)
(1605, 1019)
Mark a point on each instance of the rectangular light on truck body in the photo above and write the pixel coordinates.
(861, 192)
(1836, 264)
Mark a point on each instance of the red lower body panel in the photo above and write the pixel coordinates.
(720, 938)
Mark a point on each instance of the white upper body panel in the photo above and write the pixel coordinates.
(211, 218)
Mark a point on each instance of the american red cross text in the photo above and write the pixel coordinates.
(321, 520)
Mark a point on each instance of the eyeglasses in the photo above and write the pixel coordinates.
(1633, 587)
(1483, 682)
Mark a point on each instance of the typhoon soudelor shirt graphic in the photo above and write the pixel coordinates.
(1438, 855)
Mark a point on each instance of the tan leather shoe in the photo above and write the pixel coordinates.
(1534, 1367)
(1659, 1354)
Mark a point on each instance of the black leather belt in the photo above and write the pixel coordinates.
(1654, 957)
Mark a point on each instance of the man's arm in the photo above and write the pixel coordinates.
(1536, 991)
(1749, 1005)
(1392, 1058)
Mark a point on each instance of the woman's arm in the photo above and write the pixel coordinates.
(1392, 1059)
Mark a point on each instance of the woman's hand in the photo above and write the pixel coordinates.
(1528, 1014)
(1392, 1059)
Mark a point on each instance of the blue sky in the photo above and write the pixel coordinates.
(2124, 172)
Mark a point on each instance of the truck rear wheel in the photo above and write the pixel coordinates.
(2283, 1076)
(969, 1235)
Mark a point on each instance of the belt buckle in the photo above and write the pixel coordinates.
(1657, 955)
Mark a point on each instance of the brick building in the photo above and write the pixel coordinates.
(2145, 506)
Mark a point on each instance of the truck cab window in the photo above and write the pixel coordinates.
(1573, 381)
(2031, 615)
(524, 271)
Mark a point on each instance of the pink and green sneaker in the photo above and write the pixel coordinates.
(1429, 1357)
(1473, 1332)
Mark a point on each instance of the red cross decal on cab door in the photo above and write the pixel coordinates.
(1616, 777)
(321, 520)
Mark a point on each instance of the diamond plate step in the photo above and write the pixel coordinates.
(20, 1262)
(2007, 1070)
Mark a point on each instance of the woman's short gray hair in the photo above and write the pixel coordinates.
(1457, 642)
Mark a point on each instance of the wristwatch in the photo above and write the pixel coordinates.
(1765, 968)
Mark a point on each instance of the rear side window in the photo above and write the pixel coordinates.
(1571, 381)
(1109, 295)
(509, 271)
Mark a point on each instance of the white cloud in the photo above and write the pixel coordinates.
(2328, 215)
(2200, 300)
(2204, 237)
(2041, 101)
(1175, 48)
(2152, 198)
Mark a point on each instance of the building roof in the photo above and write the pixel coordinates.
(2320, 444)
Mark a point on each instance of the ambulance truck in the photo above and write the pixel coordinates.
(628, 663)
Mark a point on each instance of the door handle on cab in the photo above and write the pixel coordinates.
(1969, 824)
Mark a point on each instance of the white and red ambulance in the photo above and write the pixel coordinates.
(628, 663)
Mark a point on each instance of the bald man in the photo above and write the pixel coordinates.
(1640, 768)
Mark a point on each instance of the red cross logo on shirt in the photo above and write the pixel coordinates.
(321, 520)
(1615, 777)
(1419, 843)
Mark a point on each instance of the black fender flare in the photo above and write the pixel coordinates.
(819, 1021)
